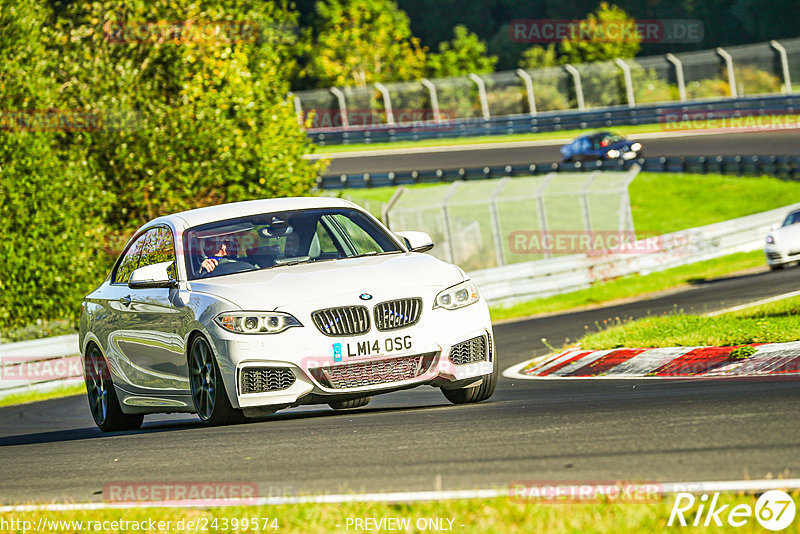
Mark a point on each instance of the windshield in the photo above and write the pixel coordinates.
(283, 238)
(792, 218)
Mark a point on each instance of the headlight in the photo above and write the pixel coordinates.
(770, 240)
(256, 322)
(613, 153)
(636, 147)
(458, 296)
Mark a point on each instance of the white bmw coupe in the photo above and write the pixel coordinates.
(242, 309)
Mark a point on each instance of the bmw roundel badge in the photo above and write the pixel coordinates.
(365, 296)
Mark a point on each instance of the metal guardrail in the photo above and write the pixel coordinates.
(39, 362)
(556, 120)
(525, 281)
(784, 167)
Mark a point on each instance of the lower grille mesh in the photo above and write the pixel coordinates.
(470, 351)
(263, 379)
(376, 372)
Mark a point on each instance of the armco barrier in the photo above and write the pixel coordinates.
(524, 281)
(38, 362)
(784, 167)
(555, 120)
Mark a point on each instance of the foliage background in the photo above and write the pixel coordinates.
(178, 122)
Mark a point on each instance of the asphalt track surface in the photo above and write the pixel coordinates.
(783, 143)
(559, 430)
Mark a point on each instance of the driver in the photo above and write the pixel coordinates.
(214, 253)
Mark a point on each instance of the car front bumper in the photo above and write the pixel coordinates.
(331, 368)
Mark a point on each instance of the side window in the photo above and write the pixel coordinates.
(363, 242)
(130, 261)
(158, 248)
(326, 245)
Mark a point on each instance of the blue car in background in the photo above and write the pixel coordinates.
(601, 145)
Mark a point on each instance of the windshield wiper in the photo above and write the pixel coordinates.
(375, 253)
(293, 261)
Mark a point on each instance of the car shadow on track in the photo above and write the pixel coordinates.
(746, 276)
(171, 425)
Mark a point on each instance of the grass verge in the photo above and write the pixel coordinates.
(36, 396)
(634, 286)
(502, 514)
(774, 322)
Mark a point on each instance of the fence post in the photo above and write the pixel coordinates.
(522, 73)
(448, 231)
(787, 79)
(576, 80)
(731, 75)
(678, 74)
(342, 105)
(584, 199)
(481, 95)
(389, 205)
(497, 234)
(625, 215)
(298, 109)
(542, 214)
(387, 102)
(434, 99)
(626, 72)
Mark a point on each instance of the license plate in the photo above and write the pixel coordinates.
(374, 347)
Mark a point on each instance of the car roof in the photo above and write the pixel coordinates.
(595, 134)
(231, 210)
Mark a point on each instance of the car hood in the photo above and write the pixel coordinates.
(377, 275)
(787, 234)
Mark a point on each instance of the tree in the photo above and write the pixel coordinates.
(537, 57)
(463, 54)
(207, 118)
(603, 35)
(114, 114)
(361, 42)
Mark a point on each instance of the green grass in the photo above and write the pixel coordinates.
(633, 286)
(768, 323)
(667, 202)
(501, 515)
(36, 396)
(41, 329)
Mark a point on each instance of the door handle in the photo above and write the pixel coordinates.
(126, 300)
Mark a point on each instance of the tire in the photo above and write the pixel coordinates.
(103, 400)
(478, 393)
(209, 397)
(350, 404)
(776, 267)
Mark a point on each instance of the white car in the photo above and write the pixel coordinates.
(242, 309)
(783, 243)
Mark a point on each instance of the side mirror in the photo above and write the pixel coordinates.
(156, 275)
(416, 241)
(774, 227)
